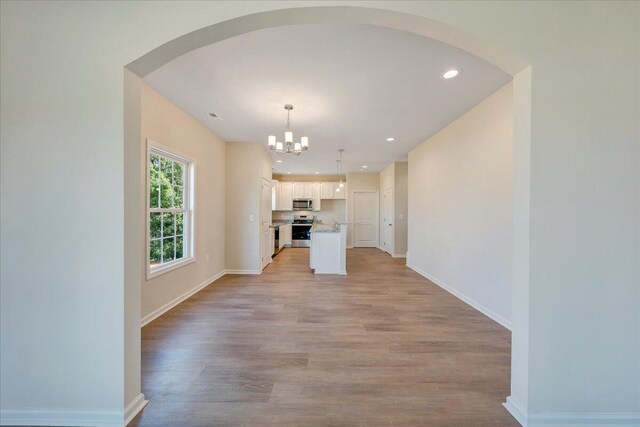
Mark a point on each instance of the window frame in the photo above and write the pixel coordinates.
(189, 209)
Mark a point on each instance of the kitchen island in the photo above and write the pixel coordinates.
(328, 254)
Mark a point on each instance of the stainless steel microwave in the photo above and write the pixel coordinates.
(302, 204)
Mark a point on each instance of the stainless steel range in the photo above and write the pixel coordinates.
(301, 231)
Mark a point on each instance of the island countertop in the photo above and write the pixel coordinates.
(325, 228)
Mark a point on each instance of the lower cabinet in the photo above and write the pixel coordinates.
(285, 234)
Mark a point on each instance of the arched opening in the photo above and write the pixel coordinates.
(134, 153)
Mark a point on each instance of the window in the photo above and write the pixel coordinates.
(170, 210)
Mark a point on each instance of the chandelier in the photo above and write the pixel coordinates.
(288, 146)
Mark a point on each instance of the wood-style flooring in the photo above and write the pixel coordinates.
(381, 346)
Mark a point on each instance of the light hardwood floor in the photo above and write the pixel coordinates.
(381, 346)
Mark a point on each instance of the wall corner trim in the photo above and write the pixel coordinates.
(481, 308)
(134, 407)
(168, 306)
(570, 419)
(516, 411)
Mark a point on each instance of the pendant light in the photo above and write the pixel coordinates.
(339, 168)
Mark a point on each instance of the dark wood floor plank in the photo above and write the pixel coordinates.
(381, 346)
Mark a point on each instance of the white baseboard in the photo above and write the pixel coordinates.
(516, 411)
(568, 419)
(71, 417)
(399, 255)
(61, 417)
(481, 308)
(168, 306)
(242, 271)
(349, 247)
(134, 407)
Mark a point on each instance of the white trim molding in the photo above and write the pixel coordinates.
(134, 407)
(481, 308)
(342, 272)
(399, 255)
(242, 271)
(168, 306)
(61, 417)
(516, 411)
(568, 419)
(71, 417)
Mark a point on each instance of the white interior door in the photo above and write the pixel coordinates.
(386, 239)
(365, 219)
(266, 243)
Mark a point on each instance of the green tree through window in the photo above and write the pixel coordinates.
(169, 213)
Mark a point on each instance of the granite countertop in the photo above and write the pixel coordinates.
(325, 228)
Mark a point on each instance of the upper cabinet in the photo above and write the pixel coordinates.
(286, 196)
(298, 190)
(285, 192)
(326, 190)
(342, 194)
(302, 190)
(315, 193)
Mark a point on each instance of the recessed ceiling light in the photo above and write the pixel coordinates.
(289, 172)
(317, 173)
(364, 166)
(278, 161)
(450, 74)
(390, 139)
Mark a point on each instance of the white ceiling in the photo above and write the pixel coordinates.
(352, 86)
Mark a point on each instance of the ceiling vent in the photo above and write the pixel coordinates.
(215, 116)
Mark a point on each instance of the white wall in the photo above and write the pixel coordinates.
(358, 181)
(61, 133)
(461, 202)
(165, 123)
(247, 164)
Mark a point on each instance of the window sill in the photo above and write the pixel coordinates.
(158, 271)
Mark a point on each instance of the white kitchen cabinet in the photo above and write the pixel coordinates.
(298, 190)
(302, 190)
(308, 190)
(275, 195)
(286, 196)
(285, 235)
(316, 188)
(326, 190)
(342, 194)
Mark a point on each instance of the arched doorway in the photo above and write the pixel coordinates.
(137, 69)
